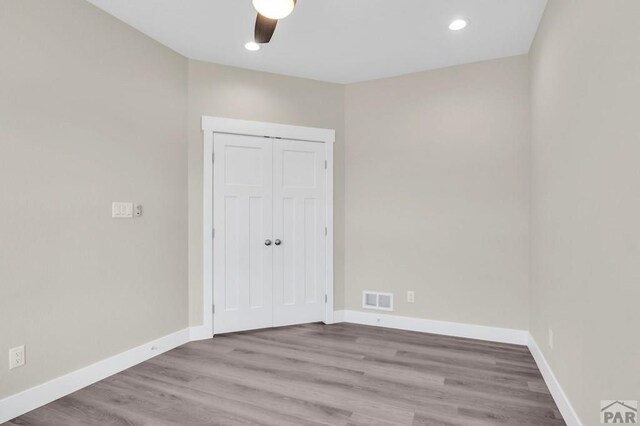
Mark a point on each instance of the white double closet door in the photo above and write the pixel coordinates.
(269, 215)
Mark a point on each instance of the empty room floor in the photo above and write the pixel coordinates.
(341, 374)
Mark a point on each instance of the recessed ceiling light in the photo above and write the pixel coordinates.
(252, 46)
(458, 24)
(274, 9)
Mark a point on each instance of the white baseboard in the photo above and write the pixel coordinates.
(566, 409)
(30, 399)
(200, 332)
(471, 331)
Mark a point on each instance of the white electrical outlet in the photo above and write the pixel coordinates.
(16, 357)
(551, 338)
(411, 296)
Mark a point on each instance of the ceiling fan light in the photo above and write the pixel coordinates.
(274, 9)
(252, 46)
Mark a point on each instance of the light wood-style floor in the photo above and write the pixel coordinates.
(340, 374)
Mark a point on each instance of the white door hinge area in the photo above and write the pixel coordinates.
(326, 298)
(213, 309)
(326, 232)
(213, 233)
(213, 157)
(325, 164)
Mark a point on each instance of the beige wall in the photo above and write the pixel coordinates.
(91, 112)
(585, 68)
(222, 91)
(437, 192)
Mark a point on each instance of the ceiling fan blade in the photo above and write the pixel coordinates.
(264, 29)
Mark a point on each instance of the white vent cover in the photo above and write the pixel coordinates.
(380, 301)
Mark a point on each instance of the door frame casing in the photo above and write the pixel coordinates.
(213, 125)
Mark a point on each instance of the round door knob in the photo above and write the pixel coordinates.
(267, 243)
(278, 242)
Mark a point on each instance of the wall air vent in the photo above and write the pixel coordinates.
(379, 301)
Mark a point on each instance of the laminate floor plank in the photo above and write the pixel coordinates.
(310, 411)
(315, 374)
(303, 387)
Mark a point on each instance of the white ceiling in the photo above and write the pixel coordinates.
(341, 41)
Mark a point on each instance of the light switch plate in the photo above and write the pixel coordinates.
(121, 210)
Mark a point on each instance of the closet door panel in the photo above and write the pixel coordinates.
(243, 220)
(299, 222)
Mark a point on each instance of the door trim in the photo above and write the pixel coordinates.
(213, 125)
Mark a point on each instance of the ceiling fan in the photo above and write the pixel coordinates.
(269, 12)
